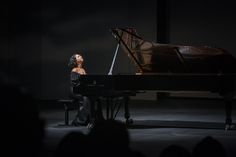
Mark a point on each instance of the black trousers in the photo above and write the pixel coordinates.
(96, 113)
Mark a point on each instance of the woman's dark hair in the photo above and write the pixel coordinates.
(72, 62)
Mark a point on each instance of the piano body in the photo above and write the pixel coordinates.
(165, 67)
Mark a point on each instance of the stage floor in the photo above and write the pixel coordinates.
(157, 124)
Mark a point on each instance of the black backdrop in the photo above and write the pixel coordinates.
(38, 37)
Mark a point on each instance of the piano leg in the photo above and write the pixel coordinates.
(228, 98)
(108, 106)
(127, 113)
(92, 114)
(99, 113)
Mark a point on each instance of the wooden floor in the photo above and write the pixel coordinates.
(157, 124)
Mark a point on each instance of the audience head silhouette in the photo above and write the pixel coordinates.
(109, 137)
(175, 151)
(73, 144)
(24, 130)
(209, 147)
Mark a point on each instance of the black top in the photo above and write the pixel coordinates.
(74, 80)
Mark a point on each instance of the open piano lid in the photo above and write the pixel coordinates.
(150, 57)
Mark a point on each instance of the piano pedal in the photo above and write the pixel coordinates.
(229, 126)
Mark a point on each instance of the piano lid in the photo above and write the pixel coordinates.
(151, 57)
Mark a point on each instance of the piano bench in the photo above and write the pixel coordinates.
(69, 105)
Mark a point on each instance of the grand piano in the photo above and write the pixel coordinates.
(164, 67)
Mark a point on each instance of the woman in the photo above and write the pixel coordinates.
(76, 69)
(86, 113)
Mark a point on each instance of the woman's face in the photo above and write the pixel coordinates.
(79, 59)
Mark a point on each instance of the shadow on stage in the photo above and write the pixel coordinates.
(155, 124)
(147, 124)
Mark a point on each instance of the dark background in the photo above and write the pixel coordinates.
(38, 37)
